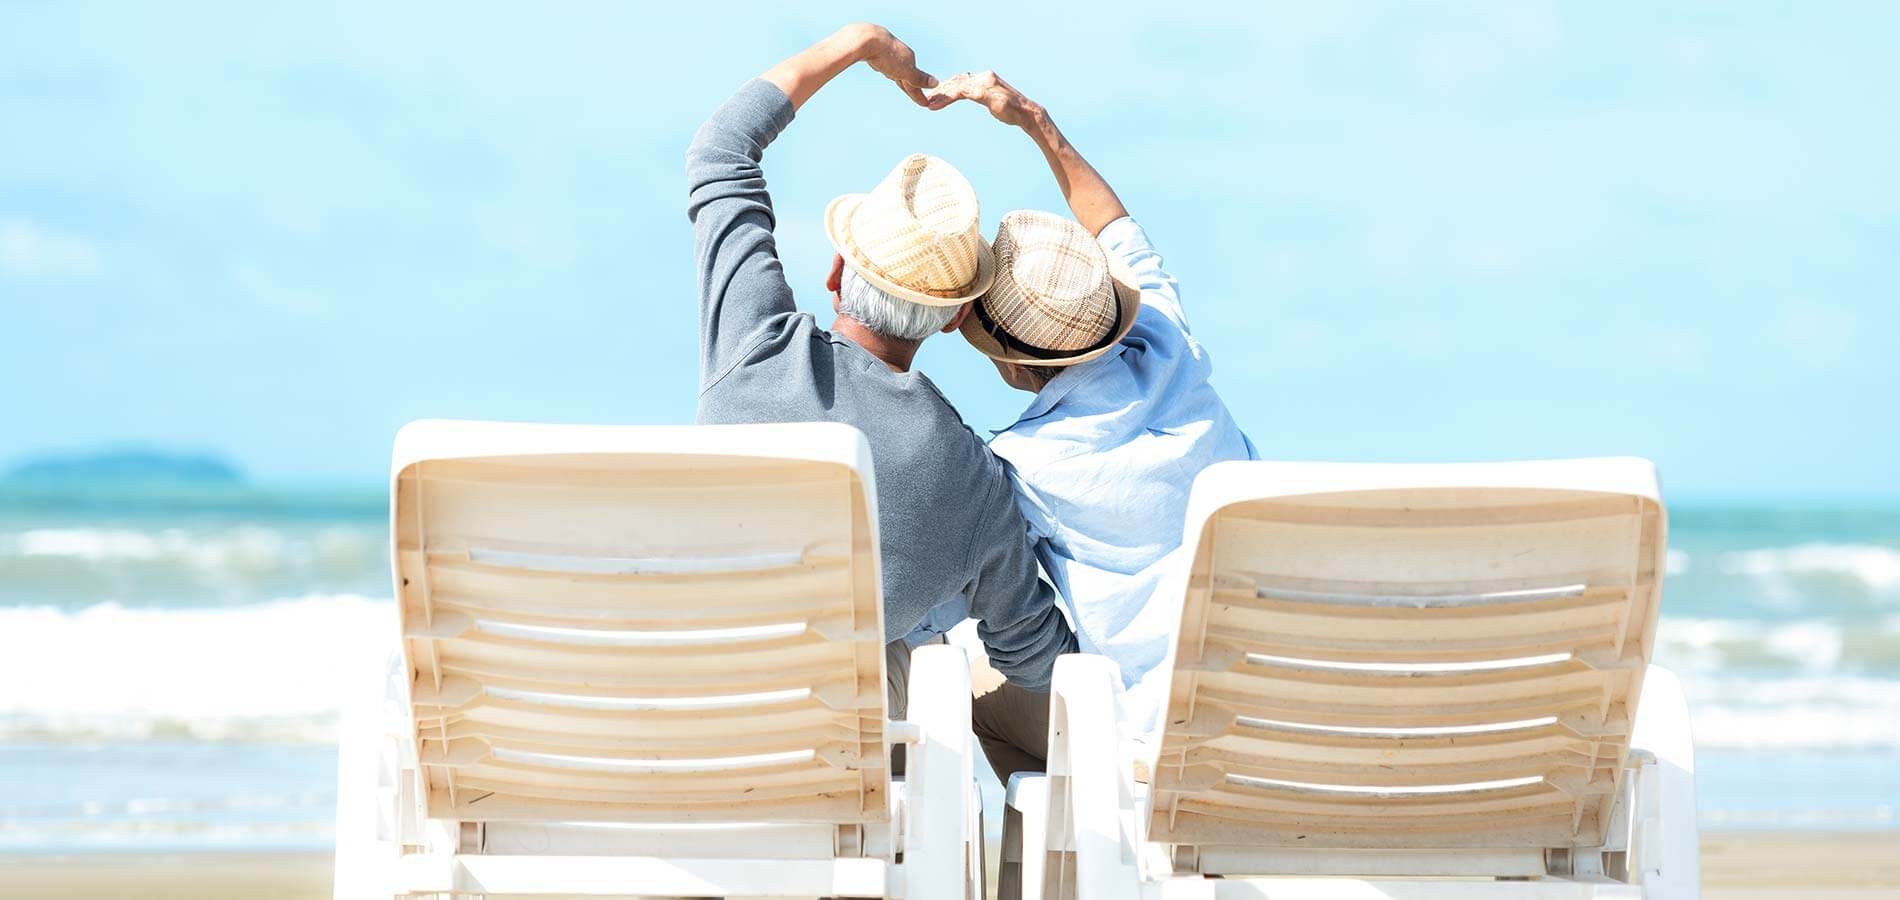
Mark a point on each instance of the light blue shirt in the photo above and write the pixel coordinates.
(1103, 459)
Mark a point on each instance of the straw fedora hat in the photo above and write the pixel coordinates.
(1058, 299)
(915, 236)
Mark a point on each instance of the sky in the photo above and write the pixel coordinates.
(1403, 232)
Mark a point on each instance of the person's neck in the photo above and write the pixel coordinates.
(894, 352)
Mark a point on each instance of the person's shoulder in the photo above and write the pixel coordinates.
(953, 438)
(787, 328)
(1154, 325)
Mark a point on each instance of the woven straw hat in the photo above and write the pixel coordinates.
(1058, 299)
(915, 235)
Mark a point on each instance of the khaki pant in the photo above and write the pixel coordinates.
(1012, 724)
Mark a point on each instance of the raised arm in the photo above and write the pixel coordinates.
(741, 284)
(1090, 198)
(802, 75)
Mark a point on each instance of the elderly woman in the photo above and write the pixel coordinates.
(1085, 318)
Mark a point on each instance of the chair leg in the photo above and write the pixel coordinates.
(1025, 832)
(1092, 793)
(937, 788)
(977, 848)
(368, 813)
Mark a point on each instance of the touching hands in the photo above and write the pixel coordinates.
(1090, 198)
(988, 90)
(893, 59)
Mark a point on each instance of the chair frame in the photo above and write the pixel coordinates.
(1088, 829)
(398, 837)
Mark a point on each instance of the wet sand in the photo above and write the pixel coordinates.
(1736, 865)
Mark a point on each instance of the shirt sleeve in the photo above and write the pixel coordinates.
(741, 284)
(1017, 612)
(1125, 241)
(939, 620)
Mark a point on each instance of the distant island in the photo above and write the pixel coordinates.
(125, 467)
(134, 480)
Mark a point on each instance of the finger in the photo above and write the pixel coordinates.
(956, 89)
(916, 96)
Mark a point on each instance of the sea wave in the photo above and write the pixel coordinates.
(266, 671)
(243, 547)
(279, 671)
(207, 564)
(1794, 713)
(1810, 646)
(1874, 566)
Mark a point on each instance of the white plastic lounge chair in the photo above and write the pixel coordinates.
(1391, 681)
(648, 661)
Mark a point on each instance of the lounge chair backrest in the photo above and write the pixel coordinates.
(1409, 657)
(620, 624)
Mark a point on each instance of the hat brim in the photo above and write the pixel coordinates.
(838, 223)
(1126, 294)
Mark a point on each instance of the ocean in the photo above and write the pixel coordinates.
(170, 666)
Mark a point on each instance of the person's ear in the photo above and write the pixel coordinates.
(835, 280)
(956, 321)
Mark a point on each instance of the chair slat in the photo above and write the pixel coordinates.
(1401, 644)
(499, 806)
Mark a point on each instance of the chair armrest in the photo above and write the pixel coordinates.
(1665, 848)
(1025, 837)
(938, 775)
(1091, 800)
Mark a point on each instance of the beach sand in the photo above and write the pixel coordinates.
(1737, 865)
(212, 876)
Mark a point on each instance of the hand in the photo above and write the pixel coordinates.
(893, 59)
(1090, 198)
(986, 89)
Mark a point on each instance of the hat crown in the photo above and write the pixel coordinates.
(919, 227)
(1052, 287)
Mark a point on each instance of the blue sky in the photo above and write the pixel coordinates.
(1404, 231)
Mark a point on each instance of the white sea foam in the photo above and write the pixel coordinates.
(1810, 646)
(242, 546)
(1873, 565)
(1796, 713)
(1676, 562)
(267, 670)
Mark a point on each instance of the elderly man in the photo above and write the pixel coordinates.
(910, 259)
(1123, 419)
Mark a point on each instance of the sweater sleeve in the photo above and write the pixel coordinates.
(741, 284)
(1017, 612)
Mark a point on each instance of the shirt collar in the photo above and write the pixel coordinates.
(1058, 387)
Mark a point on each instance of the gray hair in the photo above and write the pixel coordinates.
(892, 317)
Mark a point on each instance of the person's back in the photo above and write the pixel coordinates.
(938, 487)
(910, 258)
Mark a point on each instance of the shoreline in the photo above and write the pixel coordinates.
(1736, 865)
